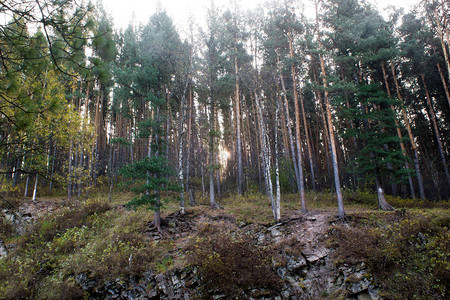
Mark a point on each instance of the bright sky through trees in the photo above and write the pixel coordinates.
(181, 10)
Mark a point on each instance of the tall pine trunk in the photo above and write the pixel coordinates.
(337, 182)
(297, 126)
(212, 200)
(444, 83)
(441, 38)
(265, 151)
(399, 133)
(436, 130)
(238, 128)
(410, 135)
(308, 143)
(289, 127)
(276, 206)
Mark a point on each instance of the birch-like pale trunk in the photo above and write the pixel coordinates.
(180, 142)
(337, 182)
(212, 200)
(297, 126)
(265, 150)
(410, 135)
(382, 203)
(326, 136)
(276, 207)
(35, 188)
(26, 186)
(289, 125)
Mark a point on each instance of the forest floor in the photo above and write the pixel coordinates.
(60, 240)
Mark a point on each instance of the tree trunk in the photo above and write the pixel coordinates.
(181, 144)
(238, 128)
(265, 150)
(308, 143)
(276, 206)
(289, 128)
(212, 133)
(35, 188)
(441, 38)
(188, 150)
(297, 127)
(26, 186)
(436, 130)
(69, 179)
(111, 163)
(410, 135)
(444, 83)
(399, 133)
(53, 169)
(337, 183)
(157, 208)
(382, 203)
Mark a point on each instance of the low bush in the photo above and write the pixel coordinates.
(49, 226)
(399, 202)
(409, 256)
(230, 262)
(6, 228)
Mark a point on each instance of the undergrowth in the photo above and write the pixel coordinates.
(408, 253)
(230, 262)
(89, 238)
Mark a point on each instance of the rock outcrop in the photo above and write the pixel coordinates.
(309, 274)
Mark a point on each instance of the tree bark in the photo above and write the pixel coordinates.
(308, 144)
(188, 150)
(297, 127)
(212, 133)
(180, 140)
(441, 38)
(35, 188)
(337, 182)
(69, 179)
(444, 83)
(410, 135)
(238, 127)
(26, 186)
(399, 133)
(289, 126)
(265, 150)
(382, 203)
(436, 129)
(276, 207)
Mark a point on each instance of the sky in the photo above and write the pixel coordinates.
(123, 11)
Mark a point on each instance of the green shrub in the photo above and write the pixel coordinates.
(49, 226)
